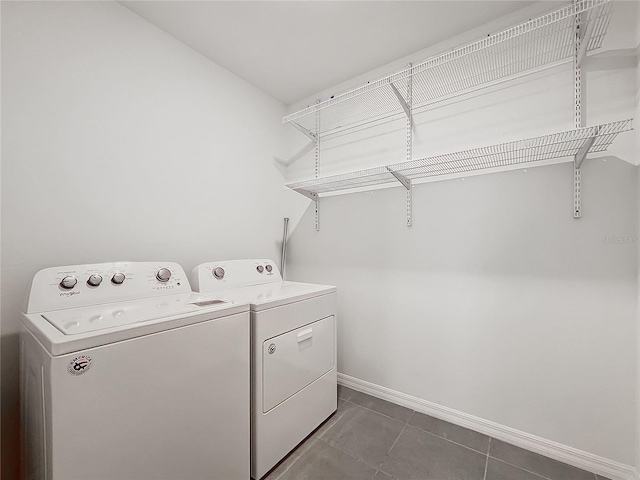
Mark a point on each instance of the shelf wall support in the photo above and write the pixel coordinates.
(317, 165)
(409, 104)
(577, 110)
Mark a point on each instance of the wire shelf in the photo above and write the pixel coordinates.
(540, 43)
(546, 147)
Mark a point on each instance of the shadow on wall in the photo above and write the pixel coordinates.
(10, 441)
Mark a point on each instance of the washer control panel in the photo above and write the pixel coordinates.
(213, 276)
(83, 285)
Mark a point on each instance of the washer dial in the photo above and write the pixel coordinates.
(269, 268)
(118, 278)
(260, 268)
(68, 282)
(163, 275)
(94, 280)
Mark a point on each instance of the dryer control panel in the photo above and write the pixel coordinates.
(214, 276)
(92, 284)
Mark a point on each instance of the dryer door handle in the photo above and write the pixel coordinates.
(305, 335)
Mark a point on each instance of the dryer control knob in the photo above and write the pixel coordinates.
(94, 280)
(118, 278)
(163, 275)
(269, 268)
(260, 268)
(68, 282)
(218, 272)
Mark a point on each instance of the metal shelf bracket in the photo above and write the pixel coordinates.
(403, 104)
(401, 178)
(406, 183)
(310, 135)
(586, 36)
(307, 193)
(582, 153)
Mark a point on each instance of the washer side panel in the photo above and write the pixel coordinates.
(172, 405)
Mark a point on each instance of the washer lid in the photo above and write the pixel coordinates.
(272, 295)
(71, 330)
(99, 317)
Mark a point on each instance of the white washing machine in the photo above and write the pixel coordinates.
(293, 329)
(127, 374)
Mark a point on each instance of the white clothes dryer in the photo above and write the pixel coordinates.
(293, 352)
(126, 374)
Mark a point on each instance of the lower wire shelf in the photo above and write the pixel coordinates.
(571, 143)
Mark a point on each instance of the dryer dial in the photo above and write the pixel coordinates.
(218, 272)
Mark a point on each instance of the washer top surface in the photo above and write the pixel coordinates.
(255, 281)
(100, 317)
(77, 307)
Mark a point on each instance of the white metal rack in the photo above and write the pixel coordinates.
(558, 37)
(537, 44)
(571, 143)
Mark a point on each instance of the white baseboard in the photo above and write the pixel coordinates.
(548, 448)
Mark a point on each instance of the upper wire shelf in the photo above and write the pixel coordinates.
(537, 44)
(557, 145)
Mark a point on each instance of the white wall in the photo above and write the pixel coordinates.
(638, 325)
(496, 302)
(120, 143)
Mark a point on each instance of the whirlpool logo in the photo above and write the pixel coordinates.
(79, 365)
(69, 294)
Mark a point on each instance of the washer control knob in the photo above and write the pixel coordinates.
(163, 275)
(218, 272)
(94, 280)
(260, 268)
(68, 282)
(269, 268)
(118, 278)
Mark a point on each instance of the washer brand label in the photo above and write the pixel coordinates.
(79, 365)
(68, 294)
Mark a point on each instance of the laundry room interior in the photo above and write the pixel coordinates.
(458, 180)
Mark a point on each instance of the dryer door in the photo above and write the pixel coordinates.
(295, 359)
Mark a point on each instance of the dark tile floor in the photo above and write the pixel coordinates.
(371, 439)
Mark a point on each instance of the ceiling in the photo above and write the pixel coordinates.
(294, 49)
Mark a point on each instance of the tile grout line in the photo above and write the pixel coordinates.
(413, 412)
(524, 469)
(486, 463)
(406, 423)
(304, 448)
(396, 440)
(393, 445)
(448, 440)
(379, 413)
